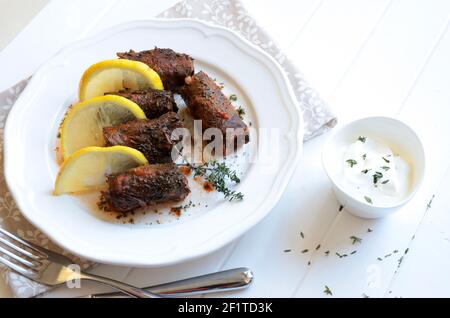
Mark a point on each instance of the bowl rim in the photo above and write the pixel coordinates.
(398, 122)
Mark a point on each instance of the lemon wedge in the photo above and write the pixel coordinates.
(114, 75)
(86, 169)
(84, 122)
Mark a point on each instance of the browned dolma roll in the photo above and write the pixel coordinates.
(145, 186)
(206, 102)
(150, 136)
(153, 102)
(171, 66)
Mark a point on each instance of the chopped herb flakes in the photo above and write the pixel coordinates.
(377, 176)
(233, 98)
(385, 168)
(327, 291)
(287, 251)
(362, 139)
(369, 230)
(368, 200)
(305, 251)
(364, 156)
(355, 239)
(429, 202)
(385, 181)
(302, 235)
(241, 112)
(385, 159)
(317, 247)
(351, 162)
(327, 253)
(365, 171)
(341, 208)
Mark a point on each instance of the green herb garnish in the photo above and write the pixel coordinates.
(233, 98)
(365, 170)
(377, 176)
(385, 168)
(369, 200)
(351, 162)
(327, 291)
(385, 181)
(362, 139)
(364, 156)
(385, 159)
(241, 112)
(217, 173)
(355, 239)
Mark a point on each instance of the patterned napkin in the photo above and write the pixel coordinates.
(228, 13)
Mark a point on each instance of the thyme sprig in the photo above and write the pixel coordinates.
(217, 173)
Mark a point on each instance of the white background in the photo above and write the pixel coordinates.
(365, 57)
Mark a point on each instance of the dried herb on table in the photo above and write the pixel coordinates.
(351, 162)
(355, 239)
(327, 291)
(362, 139)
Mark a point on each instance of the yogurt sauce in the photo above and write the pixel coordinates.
(375, 174)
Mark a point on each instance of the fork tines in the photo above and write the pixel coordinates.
(19, 255)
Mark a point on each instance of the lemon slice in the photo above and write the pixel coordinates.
(86, 169)
(84, 122)
(113, 75)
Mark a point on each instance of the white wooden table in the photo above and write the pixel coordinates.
(366, 57)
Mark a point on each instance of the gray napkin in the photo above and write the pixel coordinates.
(228, 13)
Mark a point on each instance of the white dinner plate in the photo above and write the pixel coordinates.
(263, 90)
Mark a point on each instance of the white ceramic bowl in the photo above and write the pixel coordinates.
(398, 136)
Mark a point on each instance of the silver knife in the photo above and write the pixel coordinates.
(232, 279)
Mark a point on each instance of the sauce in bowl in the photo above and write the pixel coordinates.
(373, 172)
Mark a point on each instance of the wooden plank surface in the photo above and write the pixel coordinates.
(366, 57)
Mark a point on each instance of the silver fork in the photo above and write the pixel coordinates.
(50, 268)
